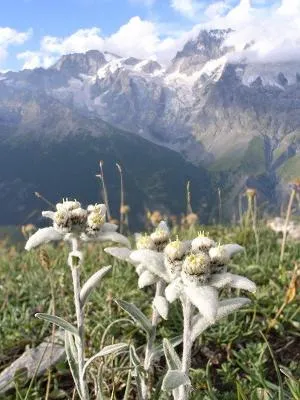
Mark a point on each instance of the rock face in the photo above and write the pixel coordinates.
(216, 109)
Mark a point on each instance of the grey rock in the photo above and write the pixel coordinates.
(35, 361)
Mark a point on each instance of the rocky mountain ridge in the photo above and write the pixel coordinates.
(237, 117)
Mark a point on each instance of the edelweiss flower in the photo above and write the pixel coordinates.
(153, 272)
(194, 269)
(202, 274)
(70, 220)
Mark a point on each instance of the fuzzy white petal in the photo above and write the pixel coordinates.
(205, 298)
(146, 279)
(226, 307)
(240, 282)
(140, 268)
(232, 249)
(229, 306)
(153, 261)
(113, 237)
(44, 235)
(121, 253)
(108, 227)
(173, 290)
(161, 305)
(220, 280)
(48, 214)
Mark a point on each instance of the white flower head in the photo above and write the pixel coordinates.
(219, 258)
(68, 205)
(176, 250)
(71, 221)
(196, 268)
(145, 242)
(161, 236)
(96, 217)
(202, 243)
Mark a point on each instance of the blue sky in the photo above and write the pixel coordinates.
(37, 32)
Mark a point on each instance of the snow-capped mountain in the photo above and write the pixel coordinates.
(213, 104)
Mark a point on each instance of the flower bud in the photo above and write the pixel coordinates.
(176, 250)
(145, 242)
(219, 258)
(68, 205)
(203, 244)
(197, 264)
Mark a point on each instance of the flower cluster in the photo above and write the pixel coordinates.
(194, 268)
(70, 220)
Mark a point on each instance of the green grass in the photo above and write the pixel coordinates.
(240, 358)
(290, 169)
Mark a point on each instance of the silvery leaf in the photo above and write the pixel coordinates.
(173, 379)
(59, 322)
(48, 214)
(158, 351)
(41, 236)
(92, 282)
(241, 282)
(134, 358)
(205, 298)
(232, 249)
(107, 350)
(226, 307)
(137, 315)
(220, 280)
(108, 227)
(172, 358)
(73, 363)
(161, 305)
(146, 279)
(112, 236)
(153, 261)
(121, 253)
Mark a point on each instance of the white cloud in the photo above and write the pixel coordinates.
(9, 37)
(188, 8)
(217, 9)
(275, 30)
(138, 38)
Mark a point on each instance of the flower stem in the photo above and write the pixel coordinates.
(75, 269)
(286, 223)
(187, 346)
(160, 286)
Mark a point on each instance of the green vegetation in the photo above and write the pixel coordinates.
(242, 357)
(290, 170)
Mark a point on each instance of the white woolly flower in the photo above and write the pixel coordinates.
(68, 205)
(202, 243)
(71, 221)
(144, 242)
(161, 236)
(219, 255)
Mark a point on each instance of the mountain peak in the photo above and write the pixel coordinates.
(207, 46)
(80, 63)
